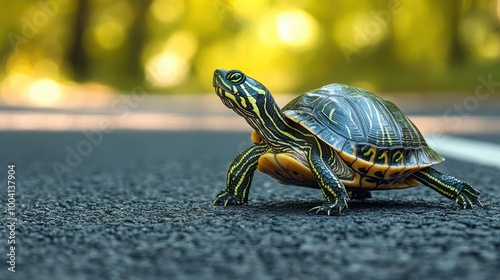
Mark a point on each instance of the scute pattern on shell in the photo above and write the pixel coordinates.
(359, 123)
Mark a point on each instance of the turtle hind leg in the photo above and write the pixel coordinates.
(331, 186)
(452, 188)
(357, 194)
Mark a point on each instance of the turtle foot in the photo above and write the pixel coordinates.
(331, 207)
(225, 199)
(468, 197)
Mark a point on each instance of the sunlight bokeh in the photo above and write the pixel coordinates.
(297, 29)
(110, 24)
(167, 11)
(167, 69)
(173, 46)
(45, 92)
(170, 66)
(109, 34)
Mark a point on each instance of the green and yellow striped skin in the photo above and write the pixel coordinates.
(335, 138)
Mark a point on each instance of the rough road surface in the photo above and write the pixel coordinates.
(136, 205)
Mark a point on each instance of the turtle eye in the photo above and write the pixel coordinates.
(235, 77)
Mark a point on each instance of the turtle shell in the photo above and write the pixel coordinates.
(370, 134)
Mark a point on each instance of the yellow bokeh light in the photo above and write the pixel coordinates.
(171, 64)
(183, 43)
(291, 28)
(18, 62)
(405, 27)
(167, 69)
(45, 68)
(167, 11)
(245, 10)
(297, 29)
(109, 34)
(474, 33)
(354, 31)
(14, 88)
(366, 85)
(498, 9)
(490, 48)
(45, 92)
(258, 51)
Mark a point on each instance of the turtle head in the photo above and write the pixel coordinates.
(240, 93)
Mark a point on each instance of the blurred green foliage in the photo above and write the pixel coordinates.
(173, 46)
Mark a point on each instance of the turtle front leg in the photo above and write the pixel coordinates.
(331, 186)
(452, 188)
(239, 177)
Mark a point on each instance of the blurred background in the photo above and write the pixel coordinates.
(61, 52)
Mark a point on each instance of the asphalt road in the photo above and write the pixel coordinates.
(136, 205)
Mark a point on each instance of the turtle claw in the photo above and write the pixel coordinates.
(330, 207)
(467, 197)
(225, 199)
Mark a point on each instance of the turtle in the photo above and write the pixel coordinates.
(338, 138)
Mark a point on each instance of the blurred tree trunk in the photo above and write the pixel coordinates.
(456, 53)
(138, 37)
(76, 55)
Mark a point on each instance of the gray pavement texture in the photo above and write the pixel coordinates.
(136, 205)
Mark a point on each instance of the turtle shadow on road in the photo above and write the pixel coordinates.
(381, 206)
